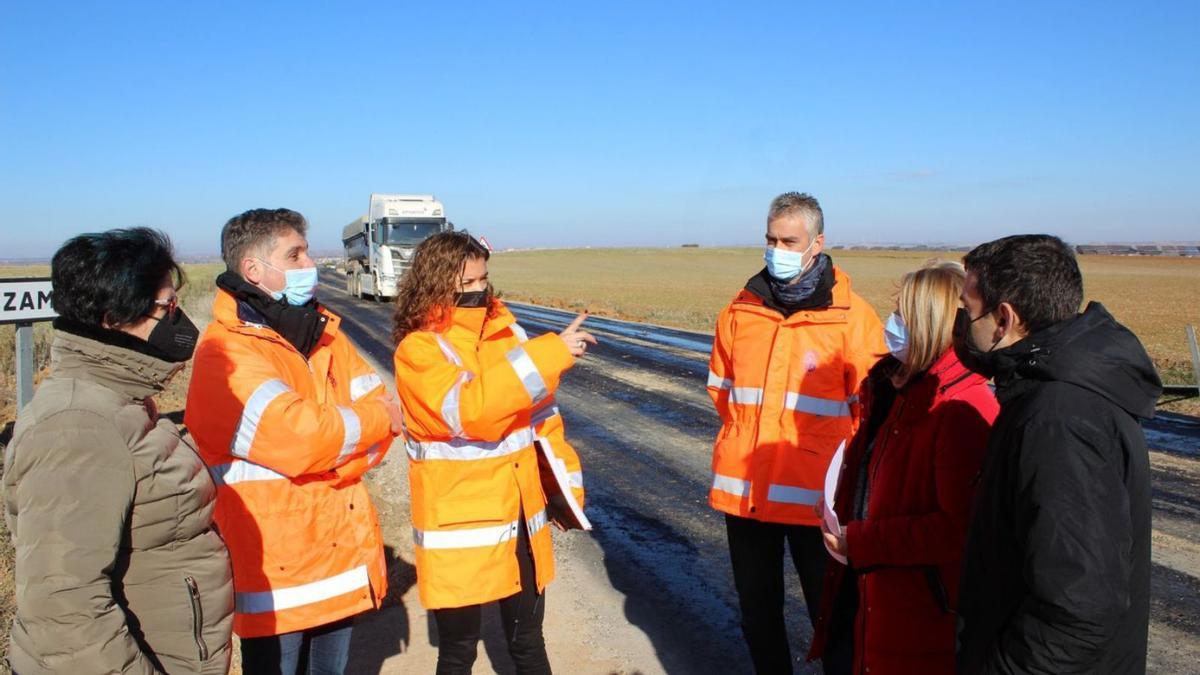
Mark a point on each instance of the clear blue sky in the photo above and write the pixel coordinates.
(595, 123)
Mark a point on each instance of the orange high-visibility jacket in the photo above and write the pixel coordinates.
(477, 396)
(787, 393)
(287, 440)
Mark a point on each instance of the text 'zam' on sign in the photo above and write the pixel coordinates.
(25, 300)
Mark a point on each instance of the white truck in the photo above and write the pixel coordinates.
(380, 245)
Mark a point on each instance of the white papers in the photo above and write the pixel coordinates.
(832, 474)
(558, 467)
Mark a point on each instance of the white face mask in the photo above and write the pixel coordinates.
(299, 286)
(895, 334)
(784, 264)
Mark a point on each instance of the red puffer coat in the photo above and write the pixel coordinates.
(907, 552)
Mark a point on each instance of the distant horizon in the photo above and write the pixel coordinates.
(912, 246)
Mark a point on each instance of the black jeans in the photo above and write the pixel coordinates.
(521, 614)
(756, 551)
(317, 651)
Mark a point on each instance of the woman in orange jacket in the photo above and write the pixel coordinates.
(478, 396)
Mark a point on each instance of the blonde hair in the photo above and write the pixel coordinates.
(927, 300)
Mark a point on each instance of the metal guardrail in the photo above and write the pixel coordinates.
(1188, 389)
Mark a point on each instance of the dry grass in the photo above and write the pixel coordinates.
(8, 600)
(1155, 297)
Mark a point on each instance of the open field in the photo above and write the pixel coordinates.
(1155, 297)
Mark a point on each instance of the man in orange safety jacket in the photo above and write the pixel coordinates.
(288, 417)
(790, 353)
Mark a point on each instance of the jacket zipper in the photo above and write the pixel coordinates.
(197, 617)
(942, 389)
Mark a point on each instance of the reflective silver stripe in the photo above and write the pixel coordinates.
(450, 413)
(550, 409)
(252, 414)
(297, 596)
(352, 433)
(363, 385)
(536, 522)
(475, 537)
(746, 396)
(517, 330)
(519, 359)
(373, 452)
(790, 494)
(715, 380)
(451, 355)
(816, 406)
(734, 486)
(576, 478)
(467, 449)
(239, 471)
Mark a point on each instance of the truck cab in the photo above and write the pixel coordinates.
(380, 245)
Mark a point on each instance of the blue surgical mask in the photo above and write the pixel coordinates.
(784, 264)
(299, 286)
(895, 334)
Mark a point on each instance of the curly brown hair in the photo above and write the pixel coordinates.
(428, 288)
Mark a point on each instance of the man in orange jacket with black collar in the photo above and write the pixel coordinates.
(288, 417)
(790, 353)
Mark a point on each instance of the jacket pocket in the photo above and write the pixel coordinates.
(477, 510)
(197, 617)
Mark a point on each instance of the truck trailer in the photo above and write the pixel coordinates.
(380, 245)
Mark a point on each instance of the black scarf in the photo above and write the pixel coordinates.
(301, 326)
(763, 285)
(110, 337)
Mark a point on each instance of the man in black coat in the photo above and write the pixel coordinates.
(1056, 575)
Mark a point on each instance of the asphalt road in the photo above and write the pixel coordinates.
(637, 412)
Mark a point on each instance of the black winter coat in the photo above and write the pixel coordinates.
(1056, 575)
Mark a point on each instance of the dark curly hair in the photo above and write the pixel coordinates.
(428, 288)
(112, 277)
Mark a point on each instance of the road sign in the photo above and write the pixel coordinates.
(25, 300)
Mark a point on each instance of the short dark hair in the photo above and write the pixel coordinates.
(1035, 273)
(112, 277)
(256, 230)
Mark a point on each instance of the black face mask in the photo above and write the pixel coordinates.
(974, 358)
(473, 299)
(175, 336)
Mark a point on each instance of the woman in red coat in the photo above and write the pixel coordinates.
(905, 492)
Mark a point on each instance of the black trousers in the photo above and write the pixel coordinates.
(521, 614)
(756, 551)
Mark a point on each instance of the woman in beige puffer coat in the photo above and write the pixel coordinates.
(118, 567)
